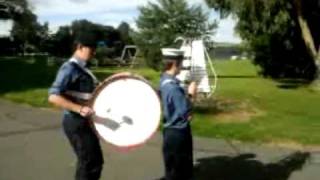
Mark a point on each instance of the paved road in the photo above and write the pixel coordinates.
(33, 147)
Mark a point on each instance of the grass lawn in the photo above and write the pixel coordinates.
(251, 108)
(244, 107)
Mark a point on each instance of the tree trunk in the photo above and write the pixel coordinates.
(318, 56)
(309, 42)
(305, 32)
(316, 82)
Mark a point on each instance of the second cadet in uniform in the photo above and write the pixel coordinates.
(177, 137)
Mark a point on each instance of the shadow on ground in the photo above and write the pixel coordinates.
(246, 167)
(292, 83)
(216, 105)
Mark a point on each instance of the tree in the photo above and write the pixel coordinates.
(43, 34)
(160, 23)
(26, 32)
(125, 33)
(303, 10)
(107, 36)
(283, 34)
(13, 8)
(60, 44)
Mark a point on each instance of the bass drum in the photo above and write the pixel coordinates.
(127, 110)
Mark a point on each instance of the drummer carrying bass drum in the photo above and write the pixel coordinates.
(177, 137)
(71, 89)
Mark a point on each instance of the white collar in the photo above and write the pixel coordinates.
(79, 62)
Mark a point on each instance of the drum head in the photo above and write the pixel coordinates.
(127, 110)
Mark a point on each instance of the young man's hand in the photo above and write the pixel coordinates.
(86, 111)
(192, 89)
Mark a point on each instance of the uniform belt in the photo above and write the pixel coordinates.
(79, 95)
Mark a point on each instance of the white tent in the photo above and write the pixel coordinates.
(195, 67)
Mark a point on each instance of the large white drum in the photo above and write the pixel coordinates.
(127, 110)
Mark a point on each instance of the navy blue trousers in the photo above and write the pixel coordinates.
(86, 146)
(177, 154)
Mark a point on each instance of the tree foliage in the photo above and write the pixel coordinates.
(60, 43)
(109, 38)
(11, 9)
(125, 33)
(27, 33)
(161, 22)
(273, 31)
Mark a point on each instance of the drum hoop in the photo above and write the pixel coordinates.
(99, 89)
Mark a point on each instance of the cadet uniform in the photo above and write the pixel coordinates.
(177, 138)
(76, 83)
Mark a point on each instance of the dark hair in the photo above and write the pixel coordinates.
(167, 64)
(86, 38)
(75, 46)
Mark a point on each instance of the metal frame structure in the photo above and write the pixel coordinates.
(192, 62)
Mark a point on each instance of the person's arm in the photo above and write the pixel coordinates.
(182, 103)
(64, 103)
(192, 91)
(58, 88)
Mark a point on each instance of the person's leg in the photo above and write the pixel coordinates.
(186, 155)
(87, 148)
(179, 154)
(168, 154)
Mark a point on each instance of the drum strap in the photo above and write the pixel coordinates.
(79, 95)
(95, 80)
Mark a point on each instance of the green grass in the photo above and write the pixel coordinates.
(26, 80)
(276, 114)
(244, 107)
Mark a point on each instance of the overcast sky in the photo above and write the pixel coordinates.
(107, 12)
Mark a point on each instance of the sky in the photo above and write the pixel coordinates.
(108, 12)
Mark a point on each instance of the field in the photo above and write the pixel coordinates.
(244, 107)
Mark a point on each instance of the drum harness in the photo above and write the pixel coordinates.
(82, 95)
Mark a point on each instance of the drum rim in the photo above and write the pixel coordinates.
(111, 79)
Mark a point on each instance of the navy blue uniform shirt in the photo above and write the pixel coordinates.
(176, 105)
(72, 76)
